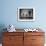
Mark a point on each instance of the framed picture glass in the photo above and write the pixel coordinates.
(26, 14)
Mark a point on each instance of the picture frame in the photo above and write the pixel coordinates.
(26, 14)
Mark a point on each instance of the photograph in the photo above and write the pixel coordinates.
(26, 14)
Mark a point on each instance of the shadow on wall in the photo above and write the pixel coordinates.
(2, 26)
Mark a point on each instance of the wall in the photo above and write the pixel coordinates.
(8, 13)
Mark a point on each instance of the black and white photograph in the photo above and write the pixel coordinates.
(26, 14)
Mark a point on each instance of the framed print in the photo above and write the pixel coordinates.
(26, 14)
